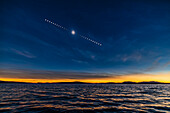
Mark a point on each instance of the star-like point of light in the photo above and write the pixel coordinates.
(73, 32)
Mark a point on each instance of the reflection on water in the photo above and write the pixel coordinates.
(84, 98)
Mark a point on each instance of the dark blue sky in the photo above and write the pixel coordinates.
(135, 35)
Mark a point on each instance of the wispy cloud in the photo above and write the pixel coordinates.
(79, 61)
(86, 54)
(166, 64)
(23, 53)
(136, 56)
(154, 65)
(43, 74)
(157, 65)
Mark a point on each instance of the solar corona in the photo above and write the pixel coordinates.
(73, 32)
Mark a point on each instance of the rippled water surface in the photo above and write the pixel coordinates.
(84, 98)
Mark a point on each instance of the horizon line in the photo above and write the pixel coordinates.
(124, 82)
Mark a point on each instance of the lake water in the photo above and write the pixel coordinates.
(75, 98)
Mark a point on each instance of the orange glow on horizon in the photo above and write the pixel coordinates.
(161, 77)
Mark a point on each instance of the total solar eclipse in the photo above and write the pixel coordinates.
(73, 32)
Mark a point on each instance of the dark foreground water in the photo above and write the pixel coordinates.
(89, 98)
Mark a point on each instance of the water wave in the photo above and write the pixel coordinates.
(42, 98)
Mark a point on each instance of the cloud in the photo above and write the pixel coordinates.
(157, 65)
(79, 61)
(166, 64)
(53, 76)
(154, 65)
(85, 54)
(136, 56)
(23, 53)
(42, 74)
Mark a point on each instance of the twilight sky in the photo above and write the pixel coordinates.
(135, 37)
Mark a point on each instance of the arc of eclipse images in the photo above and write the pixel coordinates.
(73, 32)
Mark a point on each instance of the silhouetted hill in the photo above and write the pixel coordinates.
(78, 82)
(150, 82)
(12, 82)
(129, 82)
